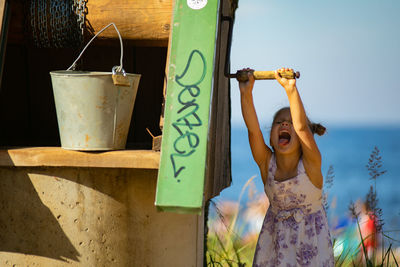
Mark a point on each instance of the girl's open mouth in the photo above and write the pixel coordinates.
(284, 138)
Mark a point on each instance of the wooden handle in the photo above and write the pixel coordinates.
(241, 75)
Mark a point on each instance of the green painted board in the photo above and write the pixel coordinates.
(180, 184)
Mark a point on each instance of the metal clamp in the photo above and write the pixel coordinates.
(118, 70)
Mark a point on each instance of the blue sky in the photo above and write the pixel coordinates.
(348, 54)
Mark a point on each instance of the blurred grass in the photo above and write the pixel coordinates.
(227, 242)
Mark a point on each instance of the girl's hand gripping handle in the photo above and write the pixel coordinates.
(246, 86)
(287, 83)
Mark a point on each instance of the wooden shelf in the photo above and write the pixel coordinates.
(58, 157)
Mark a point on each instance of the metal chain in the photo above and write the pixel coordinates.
(80, 10)
(57, 23)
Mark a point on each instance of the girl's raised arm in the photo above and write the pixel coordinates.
(261, 152)
(311, 154)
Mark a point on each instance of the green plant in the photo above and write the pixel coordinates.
(226, 247)
(328, 183)
(387, 257)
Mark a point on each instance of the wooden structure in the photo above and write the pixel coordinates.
(192, 53)
(69, 208)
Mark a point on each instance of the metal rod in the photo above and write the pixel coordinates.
(242, 75)
(228, 47)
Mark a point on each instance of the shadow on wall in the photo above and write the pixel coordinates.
(108, 181)
(26, 225)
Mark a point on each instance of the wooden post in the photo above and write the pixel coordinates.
(180, 185)
(145, 22)
(4, 16)
(157, 139)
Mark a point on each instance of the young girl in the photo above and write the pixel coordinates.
(295, 230)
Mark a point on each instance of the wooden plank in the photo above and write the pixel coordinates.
(58, 157)
(4, 17)
(144, 19)
(218, 174)
(137, 20)
(180, 185)
(2, 10)
(165, 80)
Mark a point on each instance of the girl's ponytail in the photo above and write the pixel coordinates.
(317, 128)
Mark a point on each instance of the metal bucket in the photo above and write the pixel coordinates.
(93, 110)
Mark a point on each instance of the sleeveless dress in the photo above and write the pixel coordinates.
(295, 230)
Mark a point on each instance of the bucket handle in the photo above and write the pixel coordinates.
(119, 68)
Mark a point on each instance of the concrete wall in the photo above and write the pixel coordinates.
(91, 217)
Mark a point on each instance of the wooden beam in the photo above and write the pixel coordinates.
(218, 173)
(142, 21)
(4, 16)
(2, 10)
(181, 175)
(58, 157)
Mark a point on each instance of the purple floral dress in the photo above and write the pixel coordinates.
(295, 231)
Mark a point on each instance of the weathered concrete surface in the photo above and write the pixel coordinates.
(91, 217)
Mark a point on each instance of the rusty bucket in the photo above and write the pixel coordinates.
(94, 109)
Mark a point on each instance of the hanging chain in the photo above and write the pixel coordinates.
(57, 23)
(80, 10)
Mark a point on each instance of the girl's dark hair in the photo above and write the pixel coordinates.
(316, 128)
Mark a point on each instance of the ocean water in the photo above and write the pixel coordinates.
(348, 151)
